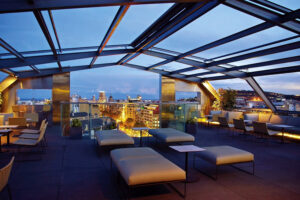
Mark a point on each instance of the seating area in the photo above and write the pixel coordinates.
(149, 100)
(266, 124)
(76, 165)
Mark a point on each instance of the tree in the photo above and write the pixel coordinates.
(129, 123)
(228, 99)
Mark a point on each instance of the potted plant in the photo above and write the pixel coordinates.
(76, 129)
(191, 126)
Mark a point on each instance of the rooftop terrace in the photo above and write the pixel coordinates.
(75, 169)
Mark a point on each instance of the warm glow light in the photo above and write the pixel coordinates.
(256, 99)
(289, 135)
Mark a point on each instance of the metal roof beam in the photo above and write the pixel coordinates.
(178, 16)
(117, 19)
(265, 14)
(256, 47)
(283, 70)
(14, 52)
(233, 37)
(35, 60)
(255, 86)
(273, 6)
(164, 73)
(264, 52)
(68, 49)
(54, 29)
(7, 6)
(39, 17)
(260, 64)
(47, 72)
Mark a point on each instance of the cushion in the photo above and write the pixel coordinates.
(132, 153)
(251, 116)
(143, 165)
(274, 127)
(278, 119)
(221, 155)
(293, 129)
(150, 170)
(264, 117)
(171, 135)
(113, 137)
(30, 131)
(234, 115)
(215, 117)
(29, 136)
(26, 142)
(293, 121)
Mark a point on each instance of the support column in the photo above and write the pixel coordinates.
(259, 91)
(61, 93)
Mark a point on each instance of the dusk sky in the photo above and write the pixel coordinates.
(87, 27)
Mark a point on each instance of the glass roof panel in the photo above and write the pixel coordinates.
(290, 64)
(84, 26)
(235, 84)
(172, 66)
(3, 76)
(267, 58)
(5, 54)
(137, 19)
(263, 37)
(291, 4)
(47, 66)
(145, 60)
(50, 28)
(22, 32)
(282, 83)
(20, 69)
(217, 23)
(194, 72)
(109, 59)
(211, 75)
(78, 62)
(261, 48)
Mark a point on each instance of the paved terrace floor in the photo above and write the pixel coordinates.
(74, 169)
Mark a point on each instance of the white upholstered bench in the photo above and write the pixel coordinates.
(142, 166)
(113, 137)
(169, 135)
(225, 155)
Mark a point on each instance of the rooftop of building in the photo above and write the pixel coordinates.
(76, 169)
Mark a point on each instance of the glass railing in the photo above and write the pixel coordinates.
(125, 116)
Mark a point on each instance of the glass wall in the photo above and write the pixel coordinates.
(127, 115)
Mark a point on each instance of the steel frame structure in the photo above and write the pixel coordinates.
(175, 18)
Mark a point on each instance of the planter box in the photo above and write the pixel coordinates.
(76, 132)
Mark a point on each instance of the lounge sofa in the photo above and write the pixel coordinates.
(142, 166)
(169, 135)
(293, 123)
(225, 155)
(113, 138)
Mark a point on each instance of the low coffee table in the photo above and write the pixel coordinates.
(141, 129)
(187, 149)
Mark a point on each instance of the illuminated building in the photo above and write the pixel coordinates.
(102, 97)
